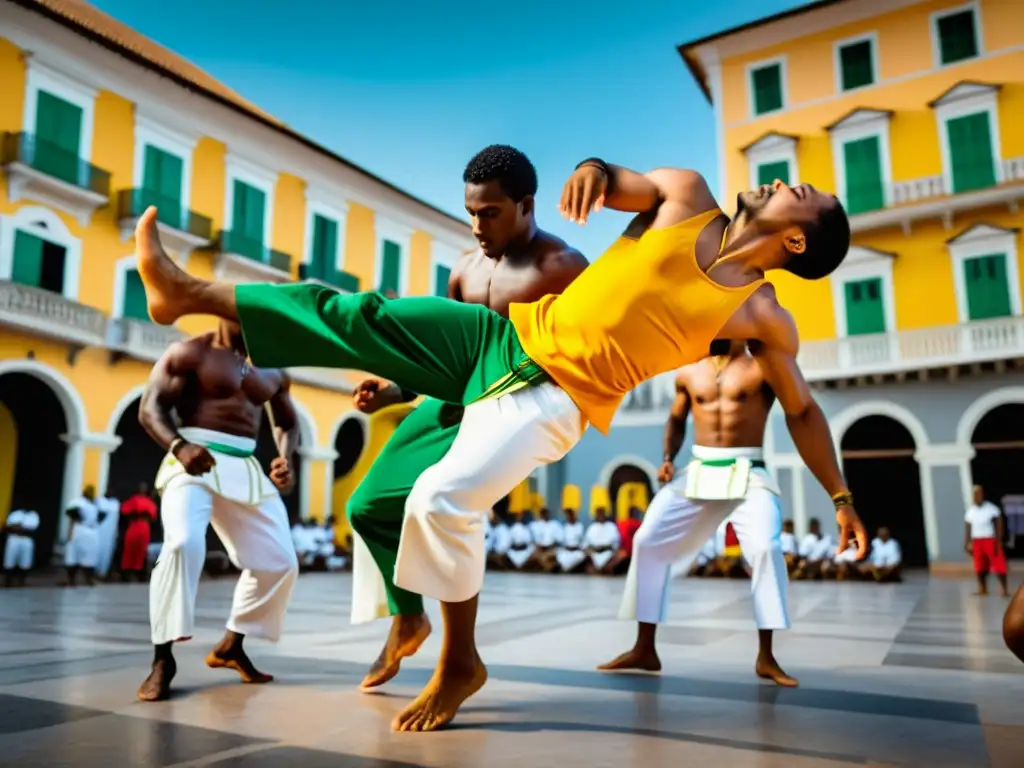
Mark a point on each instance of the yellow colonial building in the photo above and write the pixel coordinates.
(912, 112)
(98, 123)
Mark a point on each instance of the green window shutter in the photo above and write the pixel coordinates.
(856, 65)
(957, 39)
(865, 312)
(325, 247)
(392, 267)
(767, 85)
(988, 287)
(27, 268)
(58, 135)
(970, 152)
(162, 178)
(769, 172)
(247, 224)
(134, 306)
(441, 277)
(864, 184)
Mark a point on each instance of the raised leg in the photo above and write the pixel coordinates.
(1013, 624)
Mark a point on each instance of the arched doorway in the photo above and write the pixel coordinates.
(638, 485)
(885, 479)
(998, 442)
(136, 459)
(33, 454)
(349, 444)
(266, 452)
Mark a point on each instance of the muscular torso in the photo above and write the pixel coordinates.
(730, 408)
(526, 277)
(217, 396)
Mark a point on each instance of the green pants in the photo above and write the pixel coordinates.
(455, 352)
(377, 507)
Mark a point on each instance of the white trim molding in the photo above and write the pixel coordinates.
(121, 269)
(933, 28)
(748, 73)
(854, 126)
(336, 211)
(604, 477)
(983, 239)
(837, 49)
(773, 147)
(441, 255)
(385, 228)
(862, 263)
(152, 133)
(46, 225)
(41, 77)
(980, 408)
(258, 177)
(967, 98)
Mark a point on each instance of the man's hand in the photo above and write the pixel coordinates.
(583, 192)
(196, 459)
(666, 472)
(969, 548)
(281, 475)
(850, 527)
(373, 394)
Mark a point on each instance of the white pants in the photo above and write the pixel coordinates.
(258, 540)
(676, 528)
(18, 552)
(600, 559)
(500, 442)
(569, 558)
(83, 548)
(518, 557)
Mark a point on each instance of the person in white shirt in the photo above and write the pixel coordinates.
(521, 546)
(19, 551)
(570, 554)
(303, 533)
(841, 565)
(106, 533)
(501, 542)
(813, 549)
(885, 559)
(547, 535)
(788, 544)
(82, 550)
(983, 540)
(705, 559)
(601, 542)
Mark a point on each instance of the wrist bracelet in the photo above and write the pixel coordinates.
(597, 162)
(842, 499)
(176, 443)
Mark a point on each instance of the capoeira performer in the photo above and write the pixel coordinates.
(210, 476)
(517, 262)
(681, 275)
(19, 551)
(82, 550)
(730, 396)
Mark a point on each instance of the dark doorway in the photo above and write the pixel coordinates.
(40, 455)
(998, 442)
(266, 452)
(885, 479)
(627, 473)
(348, 444)
(136, 460)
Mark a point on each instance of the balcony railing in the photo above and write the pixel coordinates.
(54, 161)
(141, 339)
(50, 315)
(238, 244)
(920, 349)
(343, 281)
(132, 203)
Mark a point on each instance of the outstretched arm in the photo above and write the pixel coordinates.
(166, 383)
(286, 421)
(675, 427)
(776, 354)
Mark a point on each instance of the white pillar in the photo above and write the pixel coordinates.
(941, 455)
(315, 454)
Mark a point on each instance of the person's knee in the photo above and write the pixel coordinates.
(359, 508)
(433, 504)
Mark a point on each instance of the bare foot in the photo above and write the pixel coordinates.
(437, 705)
(635, 658)
(407, 635)
(157, 687)
(239, 661)
(769, 669)
(167, 286)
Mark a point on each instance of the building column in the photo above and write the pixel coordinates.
(86, 454)
(931, 457)
(798, 502)
(315, 481)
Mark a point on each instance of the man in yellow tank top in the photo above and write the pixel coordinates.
(680, 276)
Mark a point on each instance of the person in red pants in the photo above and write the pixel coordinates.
(983, 539)
(138, 512)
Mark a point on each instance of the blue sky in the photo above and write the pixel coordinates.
(411, 90)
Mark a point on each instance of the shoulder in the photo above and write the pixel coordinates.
(675, 183)
(774, 325)
(188, 351)
(556, 253)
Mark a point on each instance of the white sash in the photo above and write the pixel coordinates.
(720, 474)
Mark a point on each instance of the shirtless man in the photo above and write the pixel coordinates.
(210, 476)
(681, 275)
(517, 262)
(730, 395)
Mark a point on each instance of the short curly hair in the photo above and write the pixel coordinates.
(827, 240)
(508, 166)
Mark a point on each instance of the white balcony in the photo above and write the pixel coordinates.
(140, 339)
(51, 315)
(902, 352)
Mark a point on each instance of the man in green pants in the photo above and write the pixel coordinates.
(517, 262)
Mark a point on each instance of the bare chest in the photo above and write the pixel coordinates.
(716, 384)
(498, 284)
(223, 375)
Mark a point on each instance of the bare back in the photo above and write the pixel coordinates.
(547, 267)
(729, 400)
(214, 388)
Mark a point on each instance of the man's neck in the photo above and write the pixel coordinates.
(521, 245)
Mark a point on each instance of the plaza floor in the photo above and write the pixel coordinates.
(912, 674)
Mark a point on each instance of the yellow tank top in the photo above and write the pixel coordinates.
(645, 307)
